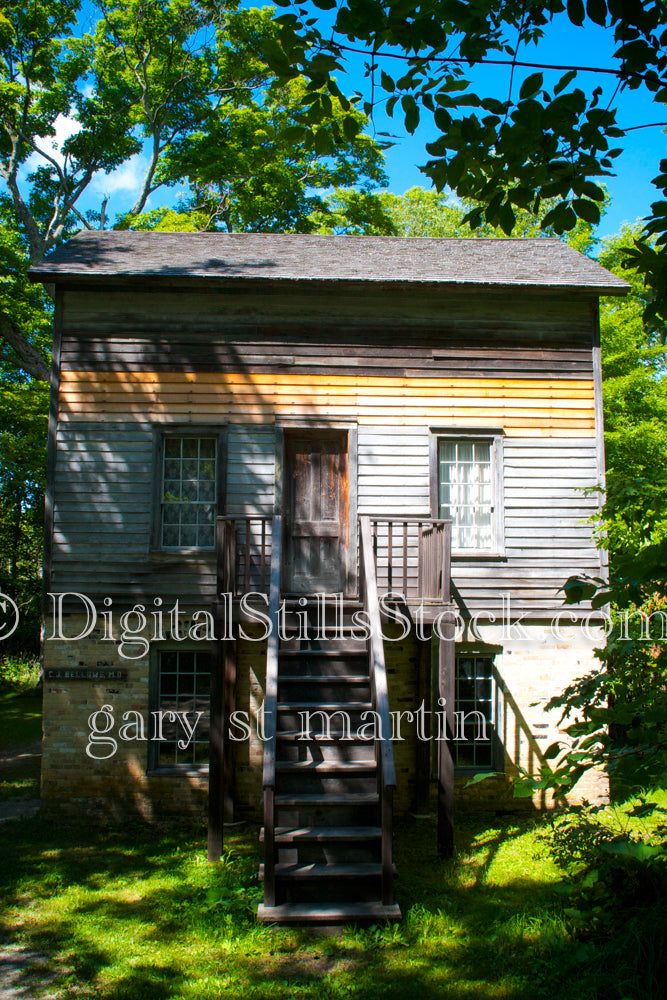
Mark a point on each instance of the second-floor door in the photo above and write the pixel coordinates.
(316, 511)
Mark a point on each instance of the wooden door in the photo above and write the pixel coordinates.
(316, 511)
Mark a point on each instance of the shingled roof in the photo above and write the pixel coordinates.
(537, 262)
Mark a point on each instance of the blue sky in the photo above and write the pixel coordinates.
(631, 189)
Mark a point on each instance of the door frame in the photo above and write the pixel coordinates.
(350, 588)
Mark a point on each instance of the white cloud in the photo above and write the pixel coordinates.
(126, 178)
(53, 144)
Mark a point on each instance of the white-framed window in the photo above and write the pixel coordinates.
(187, 495)
(466, 479)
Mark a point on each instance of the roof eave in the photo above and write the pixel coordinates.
(40, 274)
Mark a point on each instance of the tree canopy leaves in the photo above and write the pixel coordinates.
(507, 152)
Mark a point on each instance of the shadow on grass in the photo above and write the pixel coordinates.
(99, 901)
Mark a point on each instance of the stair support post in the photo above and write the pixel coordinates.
(446, 690)
(269, 848)
(387, 847)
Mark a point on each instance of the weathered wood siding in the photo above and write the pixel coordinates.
(395, 364)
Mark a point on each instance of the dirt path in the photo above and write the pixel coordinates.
(24, 974)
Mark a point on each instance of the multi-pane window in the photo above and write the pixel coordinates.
(188, 498)
(183, 686)
(474, 693)
(465, 491)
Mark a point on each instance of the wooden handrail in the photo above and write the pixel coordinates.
(377, 663)
(270, 716)
(271, 688)
(380, 701)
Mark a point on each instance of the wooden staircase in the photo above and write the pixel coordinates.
(328, 792)
(328, 823)
(327, 801)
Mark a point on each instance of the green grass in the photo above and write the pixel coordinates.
(135, 915)
(20, 718)
(20, 726)
(139, 914)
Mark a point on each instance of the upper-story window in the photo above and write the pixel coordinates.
(188, 494)
(467, 489)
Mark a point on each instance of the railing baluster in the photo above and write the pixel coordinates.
(405, 559)
(262, 563)
(390, 556)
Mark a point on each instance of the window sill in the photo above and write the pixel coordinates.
(462, 555)
(176, 555)
(178, 772)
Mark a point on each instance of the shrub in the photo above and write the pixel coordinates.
(19, 673)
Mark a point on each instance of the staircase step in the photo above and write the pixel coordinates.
(336, 737)
(318, 870)
(324, 799)
(323, 834)
(319, 706)
(327, 913)
(326, 766)
(325, 654)
(323, 678)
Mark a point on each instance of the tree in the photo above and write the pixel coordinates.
(506, 153)
(179, 81)
(618, 713)
(431, 213)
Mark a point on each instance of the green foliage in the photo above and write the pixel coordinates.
(19, 673)
(185, 83)
(431, 213)
(537, 142)
(616, 893)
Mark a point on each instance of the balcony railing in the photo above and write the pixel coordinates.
(412, 556)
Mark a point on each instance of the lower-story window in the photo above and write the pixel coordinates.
(182, 689)
(475, 694)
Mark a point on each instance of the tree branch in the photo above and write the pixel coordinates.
(622, 71)
(30, 359)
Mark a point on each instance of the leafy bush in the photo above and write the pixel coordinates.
(616, 904)
(19, 673)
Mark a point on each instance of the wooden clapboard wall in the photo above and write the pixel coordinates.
(393, 362)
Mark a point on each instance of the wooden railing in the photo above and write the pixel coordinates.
(384, 751)
(244, 554)
(270, 717)
(412, 557)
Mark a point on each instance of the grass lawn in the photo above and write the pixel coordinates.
(141, 915)
(138, 914)
(20, 731)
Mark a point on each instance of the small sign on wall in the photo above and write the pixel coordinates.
(75, 674)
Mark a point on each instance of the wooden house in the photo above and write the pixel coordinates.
(288, 417)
